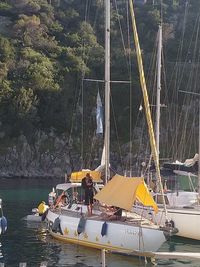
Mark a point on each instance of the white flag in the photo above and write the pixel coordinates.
(99, 115)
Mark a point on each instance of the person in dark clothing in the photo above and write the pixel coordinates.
(83, 183)
(87, 184)
(117, 214)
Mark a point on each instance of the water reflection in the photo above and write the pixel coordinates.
(1, 254)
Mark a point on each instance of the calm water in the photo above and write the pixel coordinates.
(31, 243)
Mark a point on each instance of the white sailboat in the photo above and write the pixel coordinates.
(132, 234)
(182, 207)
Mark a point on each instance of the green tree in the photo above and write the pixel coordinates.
(36, 70)
(25, 104)
(7, 51)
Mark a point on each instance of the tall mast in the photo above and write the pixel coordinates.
(146, 103)
(107, 89)
(159, 54)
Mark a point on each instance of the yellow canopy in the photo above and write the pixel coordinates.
(144, 196)
(122, 192)
(78, 176)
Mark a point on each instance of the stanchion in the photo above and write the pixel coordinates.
(103, 258)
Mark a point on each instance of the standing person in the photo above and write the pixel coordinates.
(87, 184)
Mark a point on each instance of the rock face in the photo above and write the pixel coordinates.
(45, 155)
(50, 155)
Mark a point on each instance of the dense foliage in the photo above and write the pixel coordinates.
(47, 47)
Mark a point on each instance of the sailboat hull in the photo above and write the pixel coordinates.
(119, 236)
(186, 220)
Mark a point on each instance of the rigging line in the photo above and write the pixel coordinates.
(86, 9)
(188, 52)
(151, 85)
(151, 79)
(169, 125)
(84, 53)
(177, 123)
(182, 40)
(116, 131)
(82, 88)
(82, 93)
(161, 12)
(152, 82)
(191, 136)
(130, 87)
(134, 132)
(121, 33)
(179, 77)
(191, 78)
(77, 96)
(92, 146)
(176, 69)
(187, 132)
(95, 17)
(69, 143)
(128, 65)
(179, 54)
(151, 69)
(82, 123)
(197, 51)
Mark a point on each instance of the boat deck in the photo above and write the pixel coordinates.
(127, 218)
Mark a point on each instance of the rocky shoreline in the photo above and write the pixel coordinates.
(50, 157)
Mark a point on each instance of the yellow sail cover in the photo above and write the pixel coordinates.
(78, 176)
(122, 192)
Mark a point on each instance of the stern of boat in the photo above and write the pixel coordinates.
(169, 229)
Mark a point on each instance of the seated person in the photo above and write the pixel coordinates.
(116, 214)
(61, 201)
(75, 197)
